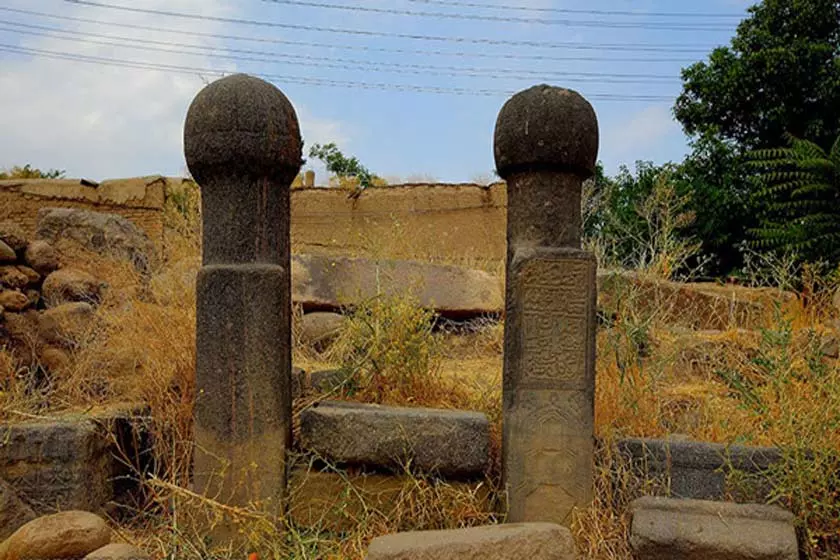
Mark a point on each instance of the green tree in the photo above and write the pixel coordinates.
(29, 172)
(779, 75)
(342, 166)
(799, 188)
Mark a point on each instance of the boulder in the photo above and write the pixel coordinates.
(106, 234)
(13, 300)
(446, 442)
(13, 235)
(54, 359)
(65, 535)
(32, 276)
(118, 551)
(320, 328)
(665, 528)
(13, 512)
(329, 283)
(7, 254)
(69, 285)
(514, 541)
(11, 277)
(41, 256)
(65, 324)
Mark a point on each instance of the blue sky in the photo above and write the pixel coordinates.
(100, 120)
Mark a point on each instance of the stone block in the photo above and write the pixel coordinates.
(534, 541)
(696, 470)
(329, 283)
(13, 512)
(664, 528)
(446, 442)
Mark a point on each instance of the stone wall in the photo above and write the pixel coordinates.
(442, 221)
(138, 199)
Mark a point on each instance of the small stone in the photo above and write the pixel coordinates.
(13, 512)
(7, 254)
(54, 359)
(319, 329)
(118, 551)
(328, 380)
(13, 235)
(65, 324)
(41, 256)
(665, 528)
(69, 534)
(69, 285)
(830, 345)
(32, 276)
(514, 541)
(446, 442)
(11, 277)
(13, 300)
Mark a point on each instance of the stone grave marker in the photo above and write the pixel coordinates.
(546, 144)
(243, 147)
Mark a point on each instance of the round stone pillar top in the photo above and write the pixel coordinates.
(241, 126)
(546, 128)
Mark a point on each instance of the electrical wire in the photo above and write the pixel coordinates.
(538, 9)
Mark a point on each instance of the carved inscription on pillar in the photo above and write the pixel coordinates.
(549, 462)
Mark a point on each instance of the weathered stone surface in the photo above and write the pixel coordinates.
(516, 541)
(41, 256)
(11, 277)
(32, 275)
(13, 235)
(697, 469)
(65, 535)
(62, 464)
(242, 145)
(13, 512)
(107, 234)
(70, 285)
(664, 528)
(7, 254)
(65, 324)
(323, 381)
(545, 146)
(320, 328)
(118, 551)
(447, 442)
(13, 300)
(320, 282)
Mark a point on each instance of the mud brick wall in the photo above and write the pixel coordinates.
(139, 199)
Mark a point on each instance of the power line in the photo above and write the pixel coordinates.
(500, 19)
(511, 56)
(340, 63)
(536, 9)
(367, 33)
(283, 78)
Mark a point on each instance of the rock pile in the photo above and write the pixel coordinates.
(44, 309)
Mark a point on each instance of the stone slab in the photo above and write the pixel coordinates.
(328, 283)
(446, 442)
(515, 541)
(695, 469)
(665, 528)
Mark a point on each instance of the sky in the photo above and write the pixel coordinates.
(410, 87)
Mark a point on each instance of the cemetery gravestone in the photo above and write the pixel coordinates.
(546, 144)
(243, 147)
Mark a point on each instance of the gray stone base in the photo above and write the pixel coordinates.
(529, 541)
(446, 442)
(664, 528)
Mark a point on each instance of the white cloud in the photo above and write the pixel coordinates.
(102, 121)
(640, 133)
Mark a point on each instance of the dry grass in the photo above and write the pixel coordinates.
(769, 387)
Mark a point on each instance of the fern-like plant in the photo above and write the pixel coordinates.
(799, 190)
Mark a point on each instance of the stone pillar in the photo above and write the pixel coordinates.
(243, 147)
(546, 144)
